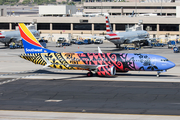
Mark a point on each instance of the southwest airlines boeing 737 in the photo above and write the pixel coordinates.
(103, 64)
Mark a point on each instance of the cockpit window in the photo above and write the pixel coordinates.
(164, 60)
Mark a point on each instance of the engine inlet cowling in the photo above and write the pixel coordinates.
(108, 70)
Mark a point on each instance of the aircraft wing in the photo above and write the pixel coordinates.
(137, 40)
(100, 37)
(89, 67)
(83, 66)
(16, 38)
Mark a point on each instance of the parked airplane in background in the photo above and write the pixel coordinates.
(10, 36)
(125, 37)
(103, 64)
(95, 14)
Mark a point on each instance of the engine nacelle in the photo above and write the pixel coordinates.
(108, 70)
(108, 37)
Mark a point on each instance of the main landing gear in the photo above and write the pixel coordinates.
(6, 44)
(118, 46)
(89, 74)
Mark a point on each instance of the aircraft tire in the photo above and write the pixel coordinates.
(116, 45)
(6, 44)
(89, 74)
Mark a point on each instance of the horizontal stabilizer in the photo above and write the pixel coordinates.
(48, 63)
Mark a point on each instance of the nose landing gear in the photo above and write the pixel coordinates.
(158, 73)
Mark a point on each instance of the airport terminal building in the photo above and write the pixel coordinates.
(159, 19)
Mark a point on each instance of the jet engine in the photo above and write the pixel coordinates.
(108, 70)
(107, 37)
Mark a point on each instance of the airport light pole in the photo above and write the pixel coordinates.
(101, 7)
(136, 8)
(161, 7)
(10, 7)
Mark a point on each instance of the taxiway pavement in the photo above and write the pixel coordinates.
(28, 87)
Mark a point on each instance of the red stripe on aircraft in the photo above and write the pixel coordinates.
(25, 37)
(113, 34)
(2, 36)
(115, 38)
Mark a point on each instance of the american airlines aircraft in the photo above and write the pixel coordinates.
(10, 36)
(103, 64)
(125, 37)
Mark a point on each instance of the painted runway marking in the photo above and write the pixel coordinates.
(176, 103)
(15, 79)
(12, 80)
(53, 100)
(28, 72)
(19, 72)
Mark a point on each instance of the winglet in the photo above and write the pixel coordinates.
(99, 50)
(31, 45)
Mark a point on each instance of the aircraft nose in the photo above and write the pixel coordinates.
(171, 65)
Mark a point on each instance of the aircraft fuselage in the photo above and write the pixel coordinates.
(128, 37)
(122, 62)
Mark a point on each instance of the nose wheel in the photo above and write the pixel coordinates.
(89, 74)
(158, 73)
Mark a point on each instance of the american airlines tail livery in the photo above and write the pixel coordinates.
(125, 37)
(103, 64)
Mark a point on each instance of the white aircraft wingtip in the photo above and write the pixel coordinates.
(99, 50)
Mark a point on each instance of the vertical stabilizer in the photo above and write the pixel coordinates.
(31, 45)
(108, 26)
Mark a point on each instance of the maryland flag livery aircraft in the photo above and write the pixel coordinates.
(103, 64)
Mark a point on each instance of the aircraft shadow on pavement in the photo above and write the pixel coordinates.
(100, 46)
(73, 74)
(150, 75)
(57, 72)
(159, 48)
(81, 75)
(4, 47)
(78, 75)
